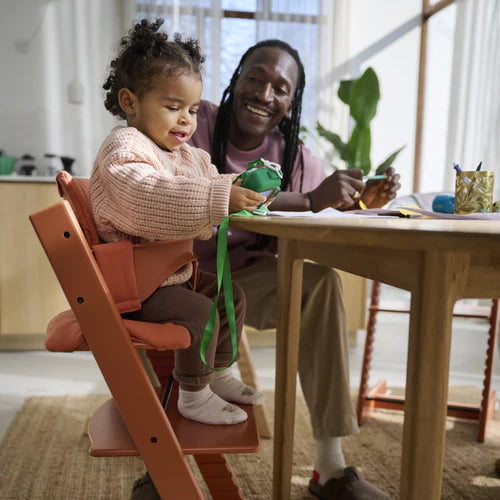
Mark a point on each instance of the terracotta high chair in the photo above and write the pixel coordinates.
(377, 397)
(99, 283)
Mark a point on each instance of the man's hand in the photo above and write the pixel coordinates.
(377, 193)
(242, 198)
(341, 190)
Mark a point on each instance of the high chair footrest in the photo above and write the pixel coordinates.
(109, 436)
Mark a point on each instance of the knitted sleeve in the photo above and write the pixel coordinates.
(136, 192)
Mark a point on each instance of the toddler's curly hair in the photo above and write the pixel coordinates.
(144, 54)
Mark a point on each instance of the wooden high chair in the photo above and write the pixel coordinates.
(136, 420)
(377, 397)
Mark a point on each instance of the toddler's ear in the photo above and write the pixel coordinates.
(127, 101)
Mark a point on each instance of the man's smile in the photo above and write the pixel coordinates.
(257, 110)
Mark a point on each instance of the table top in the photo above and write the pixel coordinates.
(391, 232)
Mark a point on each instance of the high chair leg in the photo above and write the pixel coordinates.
(218, 477)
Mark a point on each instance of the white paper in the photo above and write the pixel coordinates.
(325, 213)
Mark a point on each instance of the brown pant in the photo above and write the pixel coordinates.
(324, 353)
(181, 305)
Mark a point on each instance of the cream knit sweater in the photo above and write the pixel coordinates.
(138, 192)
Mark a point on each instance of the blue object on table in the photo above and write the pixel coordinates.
(444, 203)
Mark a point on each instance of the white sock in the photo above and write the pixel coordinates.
(329, 461)
(206, 407)
(231, 389)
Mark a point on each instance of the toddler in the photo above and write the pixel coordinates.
(148, 184)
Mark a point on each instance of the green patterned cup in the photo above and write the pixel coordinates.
(473, 192)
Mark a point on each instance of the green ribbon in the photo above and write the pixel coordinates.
(224, 280)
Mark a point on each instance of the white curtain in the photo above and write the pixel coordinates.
(317, 29)
(474, 117)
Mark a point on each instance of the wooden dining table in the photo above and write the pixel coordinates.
(439, 262)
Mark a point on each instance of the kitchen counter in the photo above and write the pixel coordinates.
(29, 292)
(27, 178)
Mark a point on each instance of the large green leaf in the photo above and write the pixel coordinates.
(358, 149)
(335, 139)
(388, 161)
(363, 98)
(345, 90)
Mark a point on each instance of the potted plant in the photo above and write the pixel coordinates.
(361, 95)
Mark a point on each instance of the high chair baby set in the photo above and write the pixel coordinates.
(100, 281)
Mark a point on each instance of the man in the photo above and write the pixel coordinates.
(259, 116)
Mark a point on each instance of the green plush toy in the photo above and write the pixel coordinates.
(264, 177)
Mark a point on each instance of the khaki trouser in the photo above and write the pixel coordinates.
(324, 354)
(181, 305)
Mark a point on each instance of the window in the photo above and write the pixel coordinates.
(227, 28)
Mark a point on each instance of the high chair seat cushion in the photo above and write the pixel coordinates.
(65, 335)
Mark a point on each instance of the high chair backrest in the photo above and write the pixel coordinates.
(132, 271)
(76, 191)
(118, 263)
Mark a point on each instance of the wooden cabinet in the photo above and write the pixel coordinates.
(29, 292)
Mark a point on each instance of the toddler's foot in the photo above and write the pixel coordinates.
(206, 407)
(231, 389)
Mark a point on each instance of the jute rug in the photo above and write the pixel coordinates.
(44, 456)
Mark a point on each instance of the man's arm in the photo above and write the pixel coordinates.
(291, 202)
(341, 190)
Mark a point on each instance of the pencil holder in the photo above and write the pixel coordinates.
(473, 192)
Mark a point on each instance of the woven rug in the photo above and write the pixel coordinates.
(44, 456)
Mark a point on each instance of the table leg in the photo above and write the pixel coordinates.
(441, 280)
(287, 352)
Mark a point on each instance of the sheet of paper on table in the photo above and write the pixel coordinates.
(404, 212)
(327, 212)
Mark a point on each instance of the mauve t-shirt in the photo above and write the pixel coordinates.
(236, 162)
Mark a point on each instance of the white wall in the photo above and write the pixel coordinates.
(36, 116)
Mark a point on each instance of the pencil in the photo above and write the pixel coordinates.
(374, 177)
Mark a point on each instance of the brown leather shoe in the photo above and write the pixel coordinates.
(144, 489)
(351, 486)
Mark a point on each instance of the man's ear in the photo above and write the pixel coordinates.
(127, 101)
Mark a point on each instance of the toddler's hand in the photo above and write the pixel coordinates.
(243, 199)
